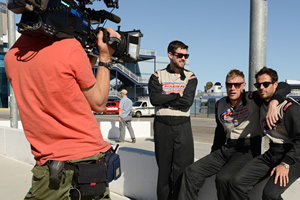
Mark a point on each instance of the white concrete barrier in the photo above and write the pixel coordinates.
(110, 130)
(13, 143)
(139, 178)
(139, 174)
(139, 170)
(6, 123)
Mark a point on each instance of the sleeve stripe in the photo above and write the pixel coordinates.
(155, 74)
(192, 77)
(286, 106)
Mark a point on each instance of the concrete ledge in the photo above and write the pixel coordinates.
(13, 143)
(6, 123)
(110, 130)
(139, 174)
(139, 178)
(139, 170)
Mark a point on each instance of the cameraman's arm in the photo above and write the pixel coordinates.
(98, 93)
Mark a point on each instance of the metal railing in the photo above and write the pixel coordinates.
(114, 93)
(148, 52)
(131, 74)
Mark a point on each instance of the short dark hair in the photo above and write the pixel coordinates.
(271, 72)
(175, 45)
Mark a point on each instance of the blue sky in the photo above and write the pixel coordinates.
(217, 32)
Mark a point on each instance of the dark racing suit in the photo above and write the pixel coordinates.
(284, 147)
(174, 146)
(237, 140)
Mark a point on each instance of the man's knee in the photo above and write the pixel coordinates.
(188, 176)
(223, 178)
(234, 182)
(187, 173)
(193, 178)
(270, 195)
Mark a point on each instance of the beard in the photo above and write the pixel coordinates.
(178, 66)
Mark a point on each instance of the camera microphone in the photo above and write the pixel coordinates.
(103, 14)
(111, 17)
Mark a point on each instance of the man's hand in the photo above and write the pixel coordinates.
(282, 174)
(272, 114)
(98, 93)
(105, 51)
(180, 93)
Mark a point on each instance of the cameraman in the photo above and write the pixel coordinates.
(55, 90)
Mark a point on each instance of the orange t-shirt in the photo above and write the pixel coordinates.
(47, 76)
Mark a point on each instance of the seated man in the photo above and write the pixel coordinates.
(237, 138)
(281, 162)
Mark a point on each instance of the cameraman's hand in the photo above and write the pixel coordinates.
(105, 51)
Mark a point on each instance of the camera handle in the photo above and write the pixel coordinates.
(113, 42)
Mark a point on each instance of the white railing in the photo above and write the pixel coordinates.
(130, 74)
(148, 52)
(115, 93)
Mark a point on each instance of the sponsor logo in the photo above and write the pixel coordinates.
(234, 116)
(279, 125)
(169, 87)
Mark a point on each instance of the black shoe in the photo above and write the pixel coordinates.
(134, 140)
(119, 141)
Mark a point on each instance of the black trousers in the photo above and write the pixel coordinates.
(174, 151)
(258, 169)
(224, 163)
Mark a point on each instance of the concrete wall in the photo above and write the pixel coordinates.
(110, 130)
(139, 170)
(139, 177)
(139, 174)
(13, 143)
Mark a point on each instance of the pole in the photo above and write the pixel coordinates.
(258, 41)
(258, 38)
(1, 29)
(12, 98)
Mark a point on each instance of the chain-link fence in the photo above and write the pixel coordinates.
(204, 107)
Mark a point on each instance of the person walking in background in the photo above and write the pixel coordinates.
(281, 161)
(237, 138)
(125, 117)
(172, 92)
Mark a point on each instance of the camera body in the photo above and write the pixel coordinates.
(71, 19)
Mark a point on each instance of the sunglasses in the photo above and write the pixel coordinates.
(265, 84)
(236, 85)
(180, 55)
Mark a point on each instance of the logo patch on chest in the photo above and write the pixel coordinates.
(234, 116)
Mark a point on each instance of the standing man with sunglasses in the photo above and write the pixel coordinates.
(237, 138)
(172, 92)
(281, 162)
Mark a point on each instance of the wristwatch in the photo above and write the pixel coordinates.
(107, 65)
(287, 166)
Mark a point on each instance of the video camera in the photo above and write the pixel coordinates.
(71, 19)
